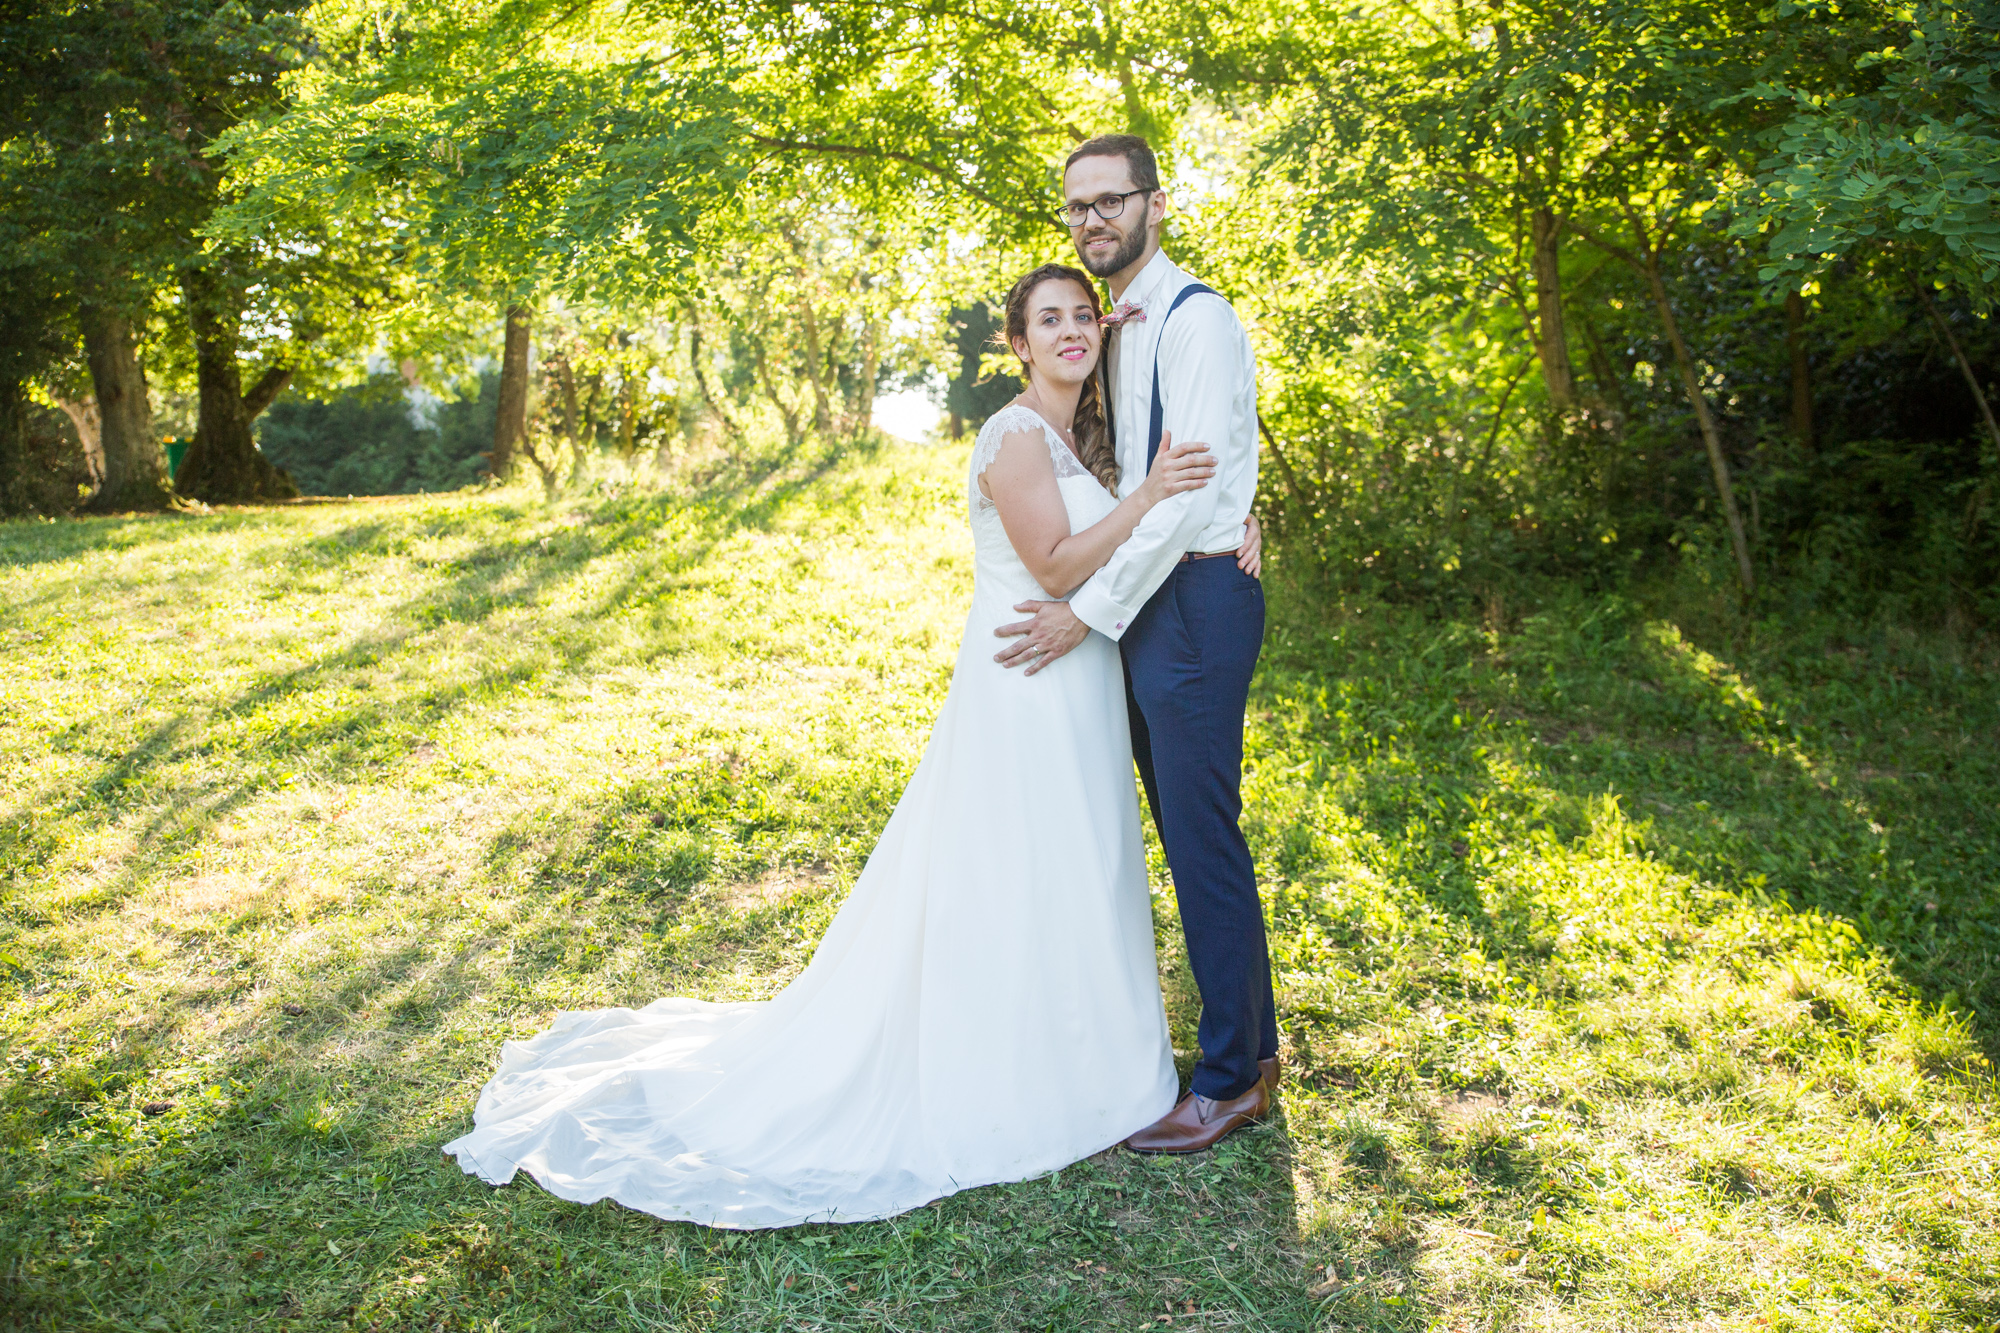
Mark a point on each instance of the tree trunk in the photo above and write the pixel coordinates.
(816, 372)
(42, 468)
(82, 414)
(1710, 436)
(565, 376)
(665, 453)
(794, 435)
(135, 467)
(549, 469)
(863, 410)
(265, 391)
(587, 418)
(1795, 341)
(510, 423)
(1964, 366)
(16, 496)
(1284, 464)
(223, 465)
(1610, 384)
(628, 420)
(715, 407)
(1551, 341)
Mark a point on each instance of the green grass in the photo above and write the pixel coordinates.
(1638, 971)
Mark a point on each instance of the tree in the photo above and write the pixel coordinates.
(386, 435)
(224, 463)
(514, 158)
(222, 66)
(972, 396)
(1651, 234)
(27, 344)
(89, 175)
(1459, 149)
(1902, 158)
(510, 424)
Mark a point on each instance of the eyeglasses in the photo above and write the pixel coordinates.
(1109, 207)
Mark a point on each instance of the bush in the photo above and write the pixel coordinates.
(371, 440)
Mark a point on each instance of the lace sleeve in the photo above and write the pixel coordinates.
(1005, 422)
(986, 448)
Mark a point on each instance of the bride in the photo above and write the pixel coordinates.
(985, 1006)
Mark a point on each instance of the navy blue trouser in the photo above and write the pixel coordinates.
(1188, 659)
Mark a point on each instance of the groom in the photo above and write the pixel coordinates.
(1187, 620)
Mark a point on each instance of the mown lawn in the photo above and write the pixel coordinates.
(1636, 974)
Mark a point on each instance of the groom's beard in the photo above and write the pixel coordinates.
(1127, 253)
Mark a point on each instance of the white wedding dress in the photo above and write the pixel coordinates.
(985, 1007)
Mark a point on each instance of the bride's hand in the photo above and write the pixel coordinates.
(1250, 555)
(1177, 468)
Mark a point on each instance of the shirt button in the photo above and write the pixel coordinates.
(1119, 625)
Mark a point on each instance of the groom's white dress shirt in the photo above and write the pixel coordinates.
(1208, 387)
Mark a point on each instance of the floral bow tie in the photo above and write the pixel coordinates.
(1127, 313)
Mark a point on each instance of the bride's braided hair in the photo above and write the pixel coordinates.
(1093, 436)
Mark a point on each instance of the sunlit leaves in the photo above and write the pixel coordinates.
(505, 165)
(1904, 150)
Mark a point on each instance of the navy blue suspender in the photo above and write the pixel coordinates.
(1158, 422)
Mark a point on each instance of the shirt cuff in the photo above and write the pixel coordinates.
(1099, 612)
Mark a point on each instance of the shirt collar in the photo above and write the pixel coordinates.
(1152, 280)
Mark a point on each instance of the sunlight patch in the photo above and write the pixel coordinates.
(769, 889)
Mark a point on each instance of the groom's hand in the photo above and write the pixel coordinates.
(1054, 631)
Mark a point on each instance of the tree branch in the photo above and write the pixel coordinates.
(1499, 419)
(1608, 246)
(944, 174)
(268, 386)
(1964, 366)
(729, 426)
(1413, 12)
(1284, 465)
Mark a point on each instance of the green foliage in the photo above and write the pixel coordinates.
(111, 113)
(1905, 152)
(372, 440)
(48, 475)
(506, 158)
(970, 395)
(805, 303)
(1637, 963)
(1443, 225)
(1449, 179)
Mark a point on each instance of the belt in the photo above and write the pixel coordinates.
(1205, 555)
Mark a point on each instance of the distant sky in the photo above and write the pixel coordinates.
(909, 414)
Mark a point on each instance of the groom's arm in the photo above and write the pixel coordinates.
(1201, 367)
(1203, 362)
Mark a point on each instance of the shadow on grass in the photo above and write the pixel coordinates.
(355, 731)
(1857, 781)
(307, 1184)
(32, 541)
(297, 1176)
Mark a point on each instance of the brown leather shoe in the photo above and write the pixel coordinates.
(1269, 1069)
(1198, 1123)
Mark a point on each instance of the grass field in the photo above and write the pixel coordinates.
(1639, 970)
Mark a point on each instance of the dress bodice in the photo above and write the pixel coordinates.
(997, 568)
